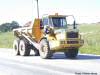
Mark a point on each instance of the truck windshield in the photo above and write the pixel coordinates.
(59, 21)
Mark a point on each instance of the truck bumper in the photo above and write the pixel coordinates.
(68, 44)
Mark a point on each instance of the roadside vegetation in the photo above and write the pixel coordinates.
(6, 39)
(90, 34)
(5, 27)
(6, 34)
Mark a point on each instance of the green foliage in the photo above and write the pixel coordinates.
(8, 26)
(6, 40)
(91, 38)
(89, 27)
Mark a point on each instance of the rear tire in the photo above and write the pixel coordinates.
(71, 53)
(24, 48)
(45, 51)
(16, 47)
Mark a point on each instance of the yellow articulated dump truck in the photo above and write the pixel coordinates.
(48, 35)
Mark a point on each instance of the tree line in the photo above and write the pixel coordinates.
(5, 27)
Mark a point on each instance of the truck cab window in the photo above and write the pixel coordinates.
(45, 21)
(59, 21)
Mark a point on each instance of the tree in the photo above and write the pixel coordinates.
(8, 26)
(14, 25)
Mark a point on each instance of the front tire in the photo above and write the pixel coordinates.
(45, 51)
(71, 53)
(24, 48)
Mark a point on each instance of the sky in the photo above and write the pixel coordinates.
(22, 11)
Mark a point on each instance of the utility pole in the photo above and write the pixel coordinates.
(37, 9)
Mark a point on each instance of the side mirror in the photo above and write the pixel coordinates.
(74, 24)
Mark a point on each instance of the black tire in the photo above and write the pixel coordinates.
(24, 48)
(71, 53)
(45, 51)
(16, 47)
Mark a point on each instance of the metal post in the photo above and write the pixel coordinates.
(37, 9)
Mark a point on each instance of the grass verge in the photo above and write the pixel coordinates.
(91, 38)
(6, 40)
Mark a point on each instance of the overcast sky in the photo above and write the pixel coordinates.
(25, 10)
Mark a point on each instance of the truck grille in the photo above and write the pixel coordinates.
(72, 34)
(72, 42)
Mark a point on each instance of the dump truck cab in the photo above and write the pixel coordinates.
(57, 28)
(61, 35)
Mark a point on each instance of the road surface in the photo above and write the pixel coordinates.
(58, 65)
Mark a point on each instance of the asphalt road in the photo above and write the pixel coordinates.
(58, 65)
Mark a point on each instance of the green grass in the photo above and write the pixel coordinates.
(6, 39)
(89, 27)
(91, 38)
